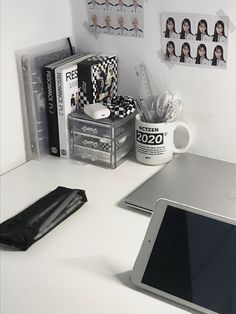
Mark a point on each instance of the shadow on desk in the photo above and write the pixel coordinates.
(124, 278)
(94, 264)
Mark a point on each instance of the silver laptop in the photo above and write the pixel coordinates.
(197, 181)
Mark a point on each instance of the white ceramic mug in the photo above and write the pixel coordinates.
(154, 142)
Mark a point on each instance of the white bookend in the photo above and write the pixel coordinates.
(66, 77)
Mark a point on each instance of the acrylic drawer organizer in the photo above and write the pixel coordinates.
(103, 142)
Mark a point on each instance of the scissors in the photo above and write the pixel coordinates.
(167, 109)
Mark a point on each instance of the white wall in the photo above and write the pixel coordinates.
(23, 24)
(211, 113)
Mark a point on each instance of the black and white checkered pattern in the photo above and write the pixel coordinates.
(120, 106)
(83, 100)
(106, 147)
(97, 79)
(103, 66)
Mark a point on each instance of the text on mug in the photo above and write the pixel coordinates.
(148, 130)
(150, 139)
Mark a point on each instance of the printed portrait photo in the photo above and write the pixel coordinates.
(202, 31)
(121, 6)
(107, 6)
(186, 31)
(170, 54)
(93, 5)
(95, 22)
(117, 17)
(136, 6)
(201, 57)
(219, 33)
(108, 24)
(185, 56)
(122, 26)
(196, 40)
(218, 57)
(137, 27)
(170, 30)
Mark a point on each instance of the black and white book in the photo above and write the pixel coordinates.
(51, 103)
(67, 98)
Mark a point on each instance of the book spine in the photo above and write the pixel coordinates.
(85, 84)
(29, 108)
(67, 100)
(50, 90)
(66, 89)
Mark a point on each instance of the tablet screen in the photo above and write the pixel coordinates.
(194, 258)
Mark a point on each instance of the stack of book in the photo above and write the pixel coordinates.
(30, 62)
(70, 84)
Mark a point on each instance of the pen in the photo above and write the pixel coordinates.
(144, 111)
(140, 110)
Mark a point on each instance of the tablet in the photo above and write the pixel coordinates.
(188, 256)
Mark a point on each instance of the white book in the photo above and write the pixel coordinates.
(66, 77)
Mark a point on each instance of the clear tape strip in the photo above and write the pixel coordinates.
(87, 26)
(221, 14)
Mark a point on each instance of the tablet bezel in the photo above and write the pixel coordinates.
(149, 241)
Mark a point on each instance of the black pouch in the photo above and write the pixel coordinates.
(34, 222)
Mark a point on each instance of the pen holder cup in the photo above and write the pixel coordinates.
(155, 142)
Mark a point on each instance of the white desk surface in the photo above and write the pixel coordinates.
(83, 265)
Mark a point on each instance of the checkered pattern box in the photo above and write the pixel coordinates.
(97, 79)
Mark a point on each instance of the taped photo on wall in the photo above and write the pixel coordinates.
(108, 24)
(116, 17)
(122, 25)
(122, 6)
(107, 6)
(137, 27)
(93, 5)
(95, 22)
(194, 53)
(136, 6)
(195, 39)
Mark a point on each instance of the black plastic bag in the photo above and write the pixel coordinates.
(34, 222)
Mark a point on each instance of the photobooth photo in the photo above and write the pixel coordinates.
(194, 39)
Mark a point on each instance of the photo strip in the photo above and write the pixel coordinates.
(194, 39)
(116, 17)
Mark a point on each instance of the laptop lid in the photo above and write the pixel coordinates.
(188, 257)
(190, 179)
